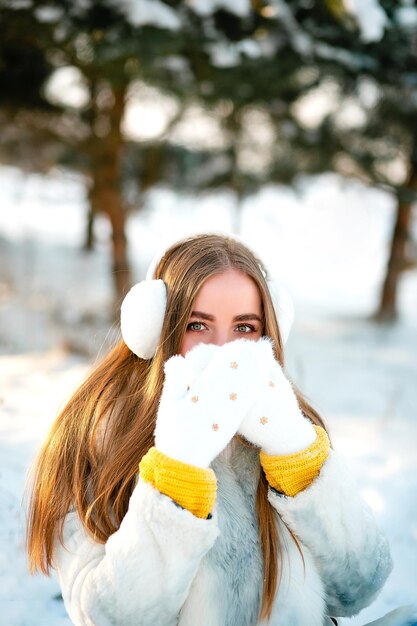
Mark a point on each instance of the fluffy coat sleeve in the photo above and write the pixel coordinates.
(145, 569)
(351, 553)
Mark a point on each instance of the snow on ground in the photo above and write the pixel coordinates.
(328, 244)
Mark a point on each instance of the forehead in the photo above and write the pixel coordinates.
(230, 289)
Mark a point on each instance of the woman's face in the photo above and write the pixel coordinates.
(227, 307)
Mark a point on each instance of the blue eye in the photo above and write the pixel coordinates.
(195, 326)
(245, 328)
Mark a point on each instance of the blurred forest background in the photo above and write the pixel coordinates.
(123, 123)
(243, 94)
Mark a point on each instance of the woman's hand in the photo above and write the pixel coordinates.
(205, 397)
(275, 422)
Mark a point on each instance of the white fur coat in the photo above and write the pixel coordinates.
(165, 567)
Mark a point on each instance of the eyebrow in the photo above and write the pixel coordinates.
(237, 318)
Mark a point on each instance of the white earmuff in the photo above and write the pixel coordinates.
(283, 306)
(142, 315)
(143, 309)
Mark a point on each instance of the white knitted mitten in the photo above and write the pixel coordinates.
(205, 397)
(275, 422)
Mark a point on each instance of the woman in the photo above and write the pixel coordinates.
(240, 513)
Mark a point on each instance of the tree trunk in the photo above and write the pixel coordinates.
(89, 239)
(89, 234)
(233, 125)
(106, 192)
(121, 270)
(92, 200)
(388, 303)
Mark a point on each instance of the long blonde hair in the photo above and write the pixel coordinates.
(90, 458)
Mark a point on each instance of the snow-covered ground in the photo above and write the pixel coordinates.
(328, 243)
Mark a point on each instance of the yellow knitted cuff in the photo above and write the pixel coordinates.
(292, 473)
(193, 488)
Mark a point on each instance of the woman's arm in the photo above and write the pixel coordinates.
(144, 571)
(351, 553)
(318, 500)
